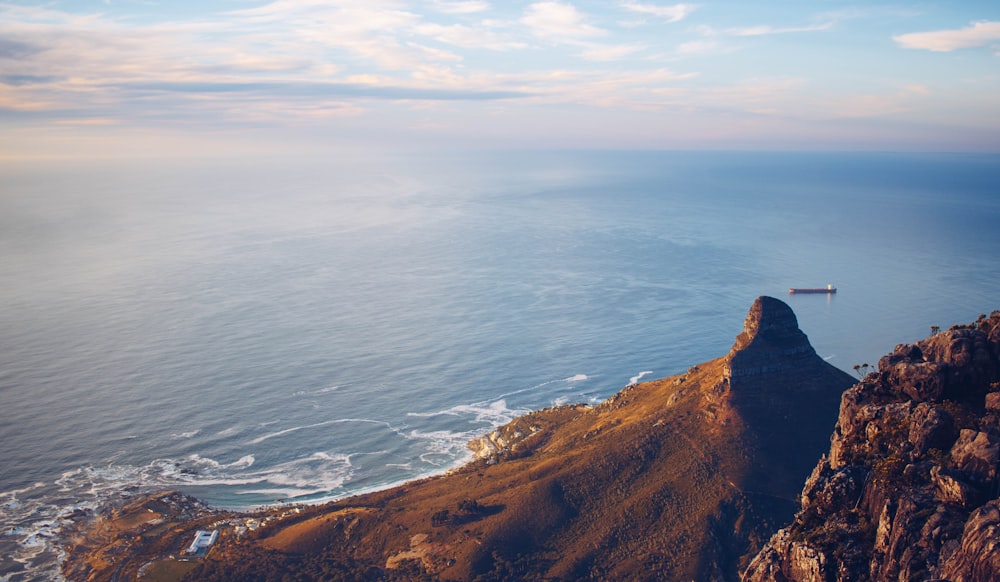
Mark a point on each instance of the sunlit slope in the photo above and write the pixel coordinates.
(679, 478)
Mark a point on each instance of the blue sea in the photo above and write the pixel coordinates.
(261, 331)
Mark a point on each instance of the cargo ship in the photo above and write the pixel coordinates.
(827, 289)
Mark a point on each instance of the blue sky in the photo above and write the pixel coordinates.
(143, 77)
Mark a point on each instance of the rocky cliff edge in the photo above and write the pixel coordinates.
(909, 489)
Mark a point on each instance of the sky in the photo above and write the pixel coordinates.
(123, 78)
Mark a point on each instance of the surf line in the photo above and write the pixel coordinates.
(272, 435)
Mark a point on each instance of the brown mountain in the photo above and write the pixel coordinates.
(680, 478)
(910, 487)
(677, 479)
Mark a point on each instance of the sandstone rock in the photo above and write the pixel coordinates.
(993, 401)
(931, 428)
(828, 489)
(977, 453)
(808, 563)
(785, 559)
(771, 341)
(951, 488)
(978, 556)
(922, 435)
(969, 356)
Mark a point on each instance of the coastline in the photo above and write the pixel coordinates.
(142, 534)
(548, 465)
(114, 538)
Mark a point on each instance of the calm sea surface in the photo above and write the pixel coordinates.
(258, 331)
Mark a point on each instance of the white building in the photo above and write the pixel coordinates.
(202, 541)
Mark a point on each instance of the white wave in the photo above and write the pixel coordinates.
(327, 390)
(43, 533)
(316, 473)
(228, 431)
(185, 435)
(311, 475)
(449, 412)
(635, 379)
(281, 494)
(560, 401)
(576, 378)
(13, 493)
(243, 462)
(283, 432)
(495, 413)
(830, 357)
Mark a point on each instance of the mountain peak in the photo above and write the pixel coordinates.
(771, 341)
(770, 321)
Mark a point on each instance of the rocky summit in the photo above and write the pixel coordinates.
(909, 488)
(681, 478)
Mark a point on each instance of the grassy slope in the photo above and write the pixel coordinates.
(665, 480)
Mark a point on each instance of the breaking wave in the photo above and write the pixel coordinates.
(635, 379)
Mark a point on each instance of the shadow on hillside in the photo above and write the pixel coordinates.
(468, 511)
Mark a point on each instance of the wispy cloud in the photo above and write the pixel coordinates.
(561, 23)
(699, 47)
(669, 13)
(764, 29)
(271, 64)
(558, 21)
(605, 88)
(303, 89)
(603, 53)
(307, 59)
(460, 7)
(371, 31)
(465, 36)
(976, 34)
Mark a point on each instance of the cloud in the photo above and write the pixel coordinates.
(370, 31)
(15, 49)
(975, 35)
(672, 13)
(607, 88)
(460, 7)
(340, 90)
(602, 53)
(764, 29)
(555, 20)
(468, 37)
(699, 47)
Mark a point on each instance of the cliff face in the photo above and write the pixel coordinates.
(771, 342)
(680, 478)
(909, 489)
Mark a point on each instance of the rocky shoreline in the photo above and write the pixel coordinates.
(146, 535)
(127, 535)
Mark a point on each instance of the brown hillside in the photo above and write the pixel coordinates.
(680, 478)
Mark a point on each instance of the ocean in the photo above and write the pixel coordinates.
(264, 331)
